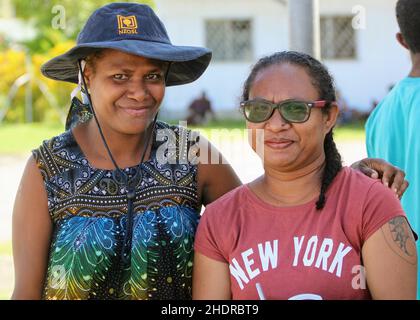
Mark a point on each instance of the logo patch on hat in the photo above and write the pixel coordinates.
(127, 25)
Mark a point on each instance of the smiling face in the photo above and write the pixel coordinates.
(290, 146)
(126, 90)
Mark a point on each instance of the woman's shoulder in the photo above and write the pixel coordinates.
(371, 189)
(355, 181)
(360, 205)
(184, 140)
(224, 215)
(55, 143)
(231, 201)
(365, 191)
(362, 195)
(177, 129)
(54, 152)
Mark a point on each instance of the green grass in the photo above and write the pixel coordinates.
(5, 248)
(20, 139)
(4, 295)
(225, 124)
(350, 132)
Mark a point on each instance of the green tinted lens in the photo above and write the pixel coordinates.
(295, 111)
(257, 111)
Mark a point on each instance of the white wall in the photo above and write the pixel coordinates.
(185, 22)
(16, 30)
(380, 60)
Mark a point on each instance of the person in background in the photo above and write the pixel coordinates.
(393, 128)
(346, 113)
(200, 111)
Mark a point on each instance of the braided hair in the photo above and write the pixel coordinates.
(324, 83)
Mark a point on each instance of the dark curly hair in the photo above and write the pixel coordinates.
(324, 83)
(408, 17)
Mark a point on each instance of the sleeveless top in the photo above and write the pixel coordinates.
(88, 208)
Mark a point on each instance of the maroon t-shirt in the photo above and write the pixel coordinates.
(297, 252)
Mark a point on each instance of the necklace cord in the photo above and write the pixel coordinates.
(130, 188)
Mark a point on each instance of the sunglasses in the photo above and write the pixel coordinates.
(292, 111)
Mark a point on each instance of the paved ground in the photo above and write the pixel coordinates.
(11, 168)
(242, 158)
(6, 277)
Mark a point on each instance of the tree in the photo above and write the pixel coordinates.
(50, 40)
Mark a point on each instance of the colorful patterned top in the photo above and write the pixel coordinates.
(88, 208)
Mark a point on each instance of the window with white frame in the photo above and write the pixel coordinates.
(338, 38)
(230, 40)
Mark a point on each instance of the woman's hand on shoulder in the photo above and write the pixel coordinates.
(391, 176)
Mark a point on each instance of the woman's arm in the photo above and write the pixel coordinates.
(390, 260)
(32, 229)
(215, 175)
(211, 279)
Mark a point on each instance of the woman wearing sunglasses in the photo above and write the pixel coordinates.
(308, 228)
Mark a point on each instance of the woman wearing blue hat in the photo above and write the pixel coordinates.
(102, 212)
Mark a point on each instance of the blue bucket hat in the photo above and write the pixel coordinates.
(134, 29)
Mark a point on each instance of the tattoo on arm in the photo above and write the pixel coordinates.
(402, 238)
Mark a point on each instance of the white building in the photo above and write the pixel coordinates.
(12, 29)
(364, 60)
